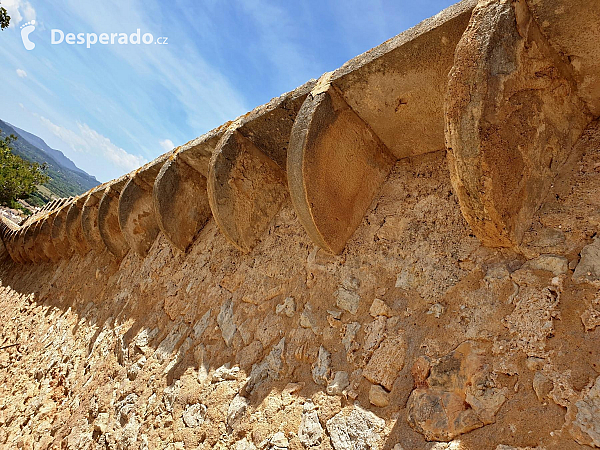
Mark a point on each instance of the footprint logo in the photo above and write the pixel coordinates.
(26, 30)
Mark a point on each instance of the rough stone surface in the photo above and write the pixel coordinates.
(98, 352)
(583, 416)
(387, 361)
(460, 396)
(310, 432)
(378, 396)
(354, 428)
(588, 268)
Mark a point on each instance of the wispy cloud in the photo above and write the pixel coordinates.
(87, 140)
(167, 145)
(21, 73)
(19, 10)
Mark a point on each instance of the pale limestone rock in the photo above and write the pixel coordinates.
(320, 369)
(225, 373)
(244, 444)
(226, 321)
(405, 280)
(347, 299)
(170, 395)
(437, 309)
(169, 343)
(374, 334)
(556, 264)
(287, 308)
(349, 334)
(308, 320)
(310, 432)
(378, 396)
(270, 367)
(338, 384)
(583, 416)
(353, 428)
(387, 361)
(236, 410)
(279, 441)
(193, 415)
(588, 268)
(379, 308)
(101, 423)
(201, 325)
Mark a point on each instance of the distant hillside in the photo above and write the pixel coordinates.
(66, 179)
(57, 155)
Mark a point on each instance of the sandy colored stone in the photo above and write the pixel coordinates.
(387, 361)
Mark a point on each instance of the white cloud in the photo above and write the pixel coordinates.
(167, 145)
(19, 10)
(87, 140)
(21, 73)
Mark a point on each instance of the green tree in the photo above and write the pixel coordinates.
(18, 178)
(4, 18)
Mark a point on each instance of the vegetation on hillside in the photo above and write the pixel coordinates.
(18, 178)
(62, 182)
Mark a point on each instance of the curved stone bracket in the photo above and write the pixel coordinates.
(73, 226)
(58, 234)
(336, 164)
(137, 217)
(512, 117)
(245, 189)
(180, 202)
(89, 219)
(108, 219)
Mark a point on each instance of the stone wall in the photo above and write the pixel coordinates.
(400, 255)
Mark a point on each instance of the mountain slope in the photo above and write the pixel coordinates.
(64, 181)
(57, 155)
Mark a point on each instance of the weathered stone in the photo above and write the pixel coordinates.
(558, 265)
(348, 300)
(353, 428)
(193, 415)
(588, 268)
(245, 188)
(287, 308)
(226, 373)
(583, 416)
(512, 119)
(336, 164)
(378, 396)
(310, 432)
(179, 187)
(337, 385)
(269, 368)
(459, 396)
(321, 367)
(278, 441)
(244, 444)
(379, 308)
(387, 361)
(349, 334)
(236, 410)
(405, 280)
(226, 321)
(541, 386)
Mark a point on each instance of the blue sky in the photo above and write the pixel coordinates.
(111, 108)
